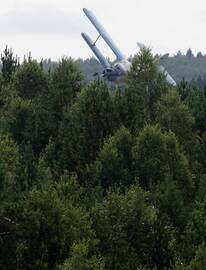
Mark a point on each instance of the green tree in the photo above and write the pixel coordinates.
(47, 228)
(114, 162)
(81, 258)
(158, 155)
(9, 64)
(30, 81)
(189, 53)
(171, 204)
(196, 101)
(65, 84)
(199, 55)
(196, 224)
(18, 120)
(87, 123)
(27, 122)
(164, 244)
(11, 185)
(199, 262)
(172, 216)
(123, 224)
(8, 228)
(11, 178)
(143, 90)
(173, 115)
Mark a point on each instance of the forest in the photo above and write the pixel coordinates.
(97, 178)
(190, 67)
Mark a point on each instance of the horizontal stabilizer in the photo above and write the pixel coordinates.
(104, 34)
(96, 51)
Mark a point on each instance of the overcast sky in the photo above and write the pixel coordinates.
(52, 28)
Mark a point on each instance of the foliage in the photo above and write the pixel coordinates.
(114, 164)
(123, 224)
(65, 85)
(157, 155)
(9, 64)
(94, 177)
(173, 115)
(81, 258)
(29, 80)
(11, 181)
(86, 124)
(199, 262)
(144, 88)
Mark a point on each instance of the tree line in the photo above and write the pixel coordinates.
(96, 178)
(181, 66)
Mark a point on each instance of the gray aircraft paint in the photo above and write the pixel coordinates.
(96, 51)
(122, 66)
(104, 34)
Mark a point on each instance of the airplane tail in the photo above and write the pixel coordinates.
(96, 51)
(104, 34)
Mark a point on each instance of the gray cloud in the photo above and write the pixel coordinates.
(38, 19)
(51, 28)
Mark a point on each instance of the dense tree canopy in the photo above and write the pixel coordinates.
(101, 178)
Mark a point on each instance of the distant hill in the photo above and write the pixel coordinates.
(179, 66)
(89, 67)
(189, 67)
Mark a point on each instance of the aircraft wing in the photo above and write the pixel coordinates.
(160, 68)
(96, 51)
(169, 78)
(141, 45)
(104, 34)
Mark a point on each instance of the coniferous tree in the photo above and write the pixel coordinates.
(9, 64)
